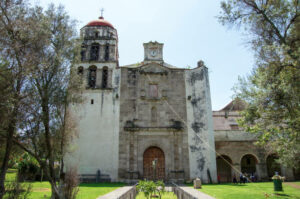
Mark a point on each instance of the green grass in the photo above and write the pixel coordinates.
(250, 191)
(166, 195)
(86, 190)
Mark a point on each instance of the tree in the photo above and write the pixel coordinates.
(15, 62)
(52, 85)
(272, 90)
(38, 49)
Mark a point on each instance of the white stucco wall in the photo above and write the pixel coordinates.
(97, 145)
(200, 125)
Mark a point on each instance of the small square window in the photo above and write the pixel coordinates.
(234, 127)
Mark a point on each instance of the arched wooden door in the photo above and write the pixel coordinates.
(224, 168)
(151, 172)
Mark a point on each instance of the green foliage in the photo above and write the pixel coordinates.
(28, 167)
(272, 90)
(149, 188)
(166, 195)
(17, 190)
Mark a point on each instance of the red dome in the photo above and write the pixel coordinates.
(100, 22)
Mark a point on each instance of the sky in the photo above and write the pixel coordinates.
(189, 30)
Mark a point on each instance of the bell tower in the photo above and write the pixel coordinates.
(97, 117)
(99, 53)
(100, 42)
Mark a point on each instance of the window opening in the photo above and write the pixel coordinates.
(80, 70)
(94, 52)
(82, 53)
(104, 77)
(92, 101)
(106, 57)
(92, 77)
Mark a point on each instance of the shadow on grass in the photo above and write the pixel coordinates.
(281, 194)
(118, 184)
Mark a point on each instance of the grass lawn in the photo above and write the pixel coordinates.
(166, 195)
(261, 190)
(86, 190)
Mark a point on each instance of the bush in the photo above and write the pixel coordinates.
(28, 168)
(149, 188)
(16, 190)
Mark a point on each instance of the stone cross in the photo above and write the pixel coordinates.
(102, 10)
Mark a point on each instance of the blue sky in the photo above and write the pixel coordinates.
(189, 30)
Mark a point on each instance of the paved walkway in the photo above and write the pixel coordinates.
(116, 193)
(292, 185)
(196, 193)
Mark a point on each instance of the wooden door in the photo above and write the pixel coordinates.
(152, 172)
(224, 169)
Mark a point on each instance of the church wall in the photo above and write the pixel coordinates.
(200, 126)
(136, 106)
(97, 145)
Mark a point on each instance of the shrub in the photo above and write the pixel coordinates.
(28, 168)
(149, 188)
(16, 190)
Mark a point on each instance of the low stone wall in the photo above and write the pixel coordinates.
(189, 193)
(127, 192)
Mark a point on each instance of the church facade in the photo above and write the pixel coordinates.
(146, 120)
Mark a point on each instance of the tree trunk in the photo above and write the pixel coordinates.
(4, 166)
(54, 190)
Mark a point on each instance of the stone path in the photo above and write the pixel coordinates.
(196, 193)
(121, 191)
(292, 185)
(116, 193)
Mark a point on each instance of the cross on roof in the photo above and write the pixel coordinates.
(102, 10)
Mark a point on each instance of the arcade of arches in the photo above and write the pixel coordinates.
(249, 165)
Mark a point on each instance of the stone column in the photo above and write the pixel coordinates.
(236, 170)
(261, 171)
(287, 173)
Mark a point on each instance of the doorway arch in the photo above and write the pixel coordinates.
(224, 168)
(154, 155)
(272, 165)
(248, 164)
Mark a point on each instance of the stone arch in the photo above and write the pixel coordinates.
(105, 77)
(224, 168)
(272, 165)
(249, 163)
(92, 76)
(154, 163)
